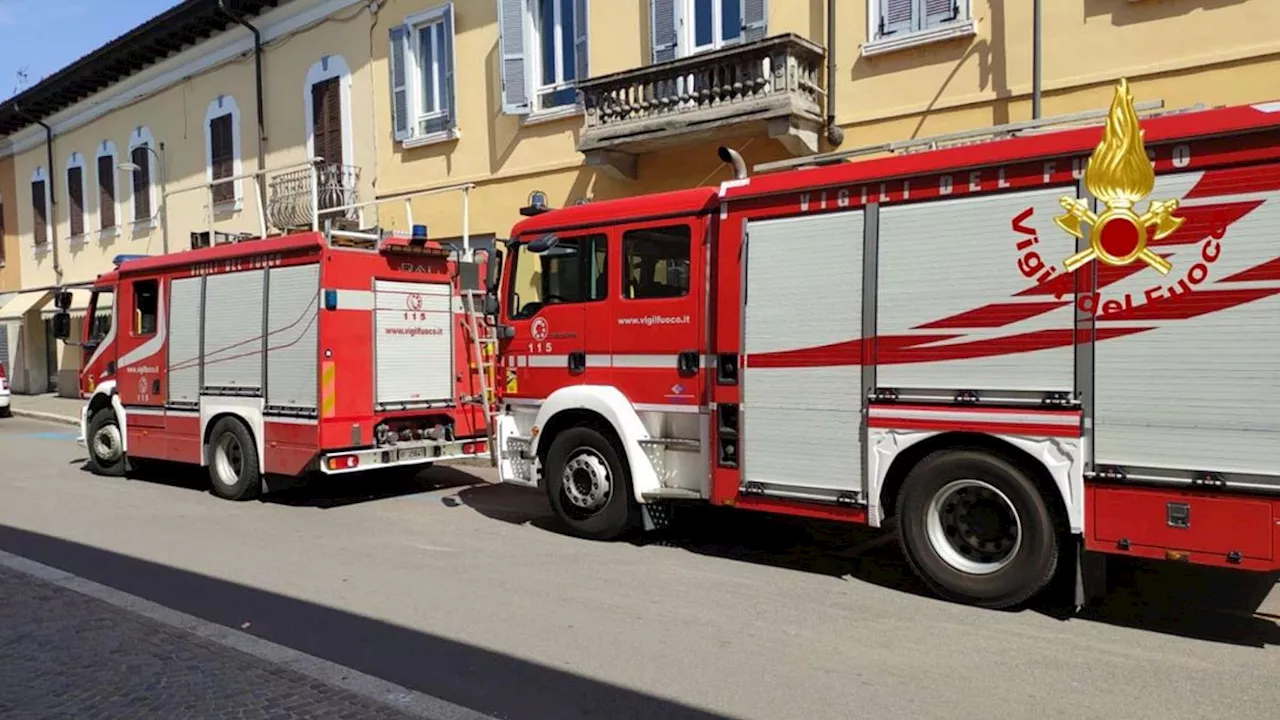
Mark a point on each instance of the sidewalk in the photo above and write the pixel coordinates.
(48, 407)
(72, 648)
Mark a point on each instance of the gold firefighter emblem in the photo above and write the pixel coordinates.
(1119, 174)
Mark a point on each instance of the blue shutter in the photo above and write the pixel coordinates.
(398, 70)
(896, 16)
(514, 68)
(937, 12)
(755, 20)
(663, 29)
(581, 44)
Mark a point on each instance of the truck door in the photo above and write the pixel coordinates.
(548, 293)
(141, 364)
(658, 332)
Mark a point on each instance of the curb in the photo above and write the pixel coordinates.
(45, 416)
(401, 698)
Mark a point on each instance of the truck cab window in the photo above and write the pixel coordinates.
(100, 311)
(146, 300)
(574, 271)
(656, 262)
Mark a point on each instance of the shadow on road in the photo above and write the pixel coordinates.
(1204, 603)
(483, 680)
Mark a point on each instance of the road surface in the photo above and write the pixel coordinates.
(463, 590)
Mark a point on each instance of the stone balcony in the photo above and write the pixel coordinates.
(765, 87)
(290, 200)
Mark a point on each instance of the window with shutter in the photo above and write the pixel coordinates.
(558, 34)
(75, 197)
(141, 157)
(897, 18)
(423, 78)
(222, 157)
(40, 216)
(106, 192)
(326, 118)
(2, 243)
(685, 27)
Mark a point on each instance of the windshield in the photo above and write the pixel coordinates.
(571, 272)
(100, 304)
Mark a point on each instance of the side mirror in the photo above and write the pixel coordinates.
(62, 300)
(62, 325)
(491, 305)
(543, 244)
(493, 274)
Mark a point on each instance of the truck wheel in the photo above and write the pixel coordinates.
(589, 486)
(976, 529)
(233, 461)
(106, 444)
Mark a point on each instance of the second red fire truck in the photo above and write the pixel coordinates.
(1028, 352)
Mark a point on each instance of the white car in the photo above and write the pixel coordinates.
(4, 394)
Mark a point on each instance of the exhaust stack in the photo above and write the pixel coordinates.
(734, 158)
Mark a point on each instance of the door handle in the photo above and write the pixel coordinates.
(155, 387)
(577, 361)
(687, 362)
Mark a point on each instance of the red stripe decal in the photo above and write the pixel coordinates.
(973, 425)
(1237, 181)
(1189, 305)
(1269, 270)
(1205, 221)
(993, 315)
(1008, 345)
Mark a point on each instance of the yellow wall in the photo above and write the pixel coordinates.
(176, 117)
(1181, 51)
(10, 271)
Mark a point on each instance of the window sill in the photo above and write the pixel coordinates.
(227, 207)
(144, 225)
(894, 43)
(432, 139)
(108, 233)
(551, 115)
(41, 249)
(78, 240)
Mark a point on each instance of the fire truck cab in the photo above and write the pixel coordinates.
(1027, 350)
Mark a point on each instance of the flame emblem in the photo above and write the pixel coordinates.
(1119, 174)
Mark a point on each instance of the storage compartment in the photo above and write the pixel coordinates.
(413, 345)
(1126, 519)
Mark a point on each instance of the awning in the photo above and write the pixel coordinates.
(79, 304)
(24, 303)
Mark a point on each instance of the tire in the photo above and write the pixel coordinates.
(233, 461)
(1010, 552)
(596, 502)
(106, 444)
(6, 412)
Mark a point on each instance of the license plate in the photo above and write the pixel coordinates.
(413, 454)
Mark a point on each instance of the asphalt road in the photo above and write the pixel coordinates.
(463, 590)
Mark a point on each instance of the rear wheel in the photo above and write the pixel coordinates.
(106, 444)
(233, 461)
(589, 485)
(976, 529)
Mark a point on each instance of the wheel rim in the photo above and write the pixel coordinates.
(228, 460)
(974, 527)
(586, 482)
(106, 443)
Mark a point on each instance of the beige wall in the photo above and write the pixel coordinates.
(1170, 49)
(10, 271)
(176, 117)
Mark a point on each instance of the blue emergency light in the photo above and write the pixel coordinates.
(121, 259)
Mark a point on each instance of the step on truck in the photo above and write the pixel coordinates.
(335, 351)
(1031, 350)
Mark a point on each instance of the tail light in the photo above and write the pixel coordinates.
(343, 462)
(473, 448)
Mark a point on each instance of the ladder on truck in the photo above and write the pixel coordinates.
(347, 232)
(1150, 108)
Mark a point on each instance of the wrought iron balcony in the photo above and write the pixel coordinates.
(770, 85)
(291, 204)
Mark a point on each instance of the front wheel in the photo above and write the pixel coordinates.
(106, 444)
(589, 485)
(976, 529)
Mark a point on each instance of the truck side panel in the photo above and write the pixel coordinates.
(1194, 388)
(802, 413)
(184, 341)
(944, 267)
(233, 332)
(292, 332)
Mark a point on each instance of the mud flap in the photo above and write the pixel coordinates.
(1090, 575)
(656, 515)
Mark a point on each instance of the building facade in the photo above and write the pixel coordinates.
(10, 257)
(484, 91)
(134, 162)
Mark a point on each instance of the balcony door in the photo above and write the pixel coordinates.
(326, 119)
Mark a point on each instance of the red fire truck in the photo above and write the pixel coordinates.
(1028, 350)
(339, 352)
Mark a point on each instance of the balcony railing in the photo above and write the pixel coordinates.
(290, 200)
(770, 85)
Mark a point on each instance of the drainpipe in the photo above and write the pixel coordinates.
(51, 221)
(835, 135)
(1036, 38)
(262, 122)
